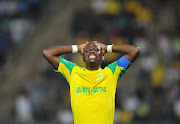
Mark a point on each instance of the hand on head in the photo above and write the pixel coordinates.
(103, 46)
(81, 47)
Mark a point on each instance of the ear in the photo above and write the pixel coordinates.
(103, 57)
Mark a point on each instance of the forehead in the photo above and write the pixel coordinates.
(92, 45)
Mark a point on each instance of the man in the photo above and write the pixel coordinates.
(92, 88)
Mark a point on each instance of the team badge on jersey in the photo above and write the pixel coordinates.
(99, 76)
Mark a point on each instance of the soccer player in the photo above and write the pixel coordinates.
(92, 89)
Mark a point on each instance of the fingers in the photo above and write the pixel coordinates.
(92, 41)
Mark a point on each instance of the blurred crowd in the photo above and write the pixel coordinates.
(152, 25)
(17, 22)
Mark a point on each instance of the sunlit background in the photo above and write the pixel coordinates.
(32, 93)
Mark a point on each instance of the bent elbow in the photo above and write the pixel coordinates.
(136, 51)
(45, 52)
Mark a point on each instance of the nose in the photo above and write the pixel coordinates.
(92, 51)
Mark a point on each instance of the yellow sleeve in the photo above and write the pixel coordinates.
(116, 70)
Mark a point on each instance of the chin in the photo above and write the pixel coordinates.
(92, 61)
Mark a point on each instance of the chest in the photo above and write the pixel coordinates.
(98, 82)
(87, 78)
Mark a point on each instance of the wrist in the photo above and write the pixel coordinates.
(79, 49)
(74, 48)
(105, 48)
(109, 48)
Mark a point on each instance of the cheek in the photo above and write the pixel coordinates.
(99, 54)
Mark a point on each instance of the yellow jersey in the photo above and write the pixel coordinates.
(93, 92)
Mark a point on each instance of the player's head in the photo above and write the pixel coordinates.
(92, 53)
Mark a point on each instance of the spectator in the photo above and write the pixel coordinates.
(19, 28)
(23, 108)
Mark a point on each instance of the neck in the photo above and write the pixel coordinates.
(93, 65)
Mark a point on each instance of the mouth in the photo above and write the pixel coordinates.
(92, 56)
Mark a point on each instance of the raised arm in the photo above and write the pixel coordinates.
(52, 54)
(130, 51)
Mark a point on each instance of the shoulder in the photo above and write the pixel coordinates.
(66, 62)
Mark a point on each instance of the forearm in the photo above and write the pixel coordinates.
(57, 51)
(52, 54)
(126, 49)
(130, 51)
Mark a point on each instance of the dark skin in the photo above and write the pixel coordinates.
(92, 49)
(93, 53)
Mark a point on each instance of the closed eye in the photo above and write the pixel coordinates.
(96, 50)
(86, 50)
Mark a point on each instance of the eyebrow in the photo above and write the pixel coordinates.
(93, 48)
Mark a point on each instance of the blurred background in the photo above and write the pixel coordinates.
(32, 93)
